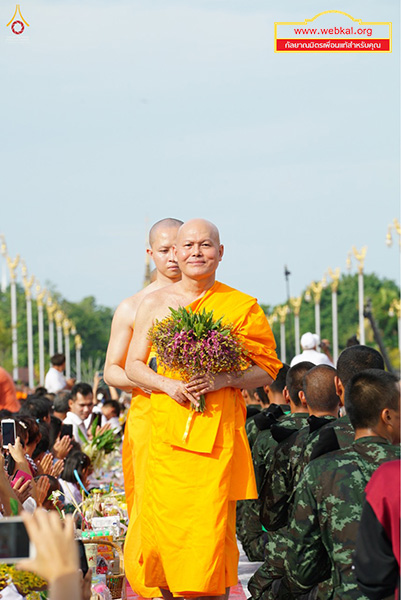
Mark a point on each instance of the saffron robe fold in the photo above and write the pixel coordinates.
(134, 460)
(187, 521)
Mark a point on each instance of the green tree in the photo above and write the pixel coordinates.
(92, 322)
(381, 291)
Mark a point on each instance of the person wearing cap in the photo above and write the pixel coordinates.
(309, 344)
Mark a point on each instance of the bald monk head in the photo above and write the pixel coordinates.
(162, 237)
(198, 249)
(162, 225)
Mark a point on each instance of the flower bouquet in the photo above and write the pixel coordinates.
(194, 344)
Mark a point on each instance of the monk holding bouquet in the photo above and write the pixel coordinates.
(195, 476)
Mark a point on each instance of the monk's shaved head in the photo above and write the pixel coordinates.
(199, 225)
(161, 225)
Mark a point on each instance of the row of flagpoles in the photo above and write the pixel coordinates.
(314, 291)
(64, 326)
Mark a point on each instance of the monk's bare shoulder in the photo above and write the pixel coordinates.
(127, 309)
(156, 304)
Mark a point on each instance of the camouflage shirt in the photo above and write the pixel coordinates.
(284, 467)
(325, 517)
(260, 584)
(333, 436)
(249, 529)
(264, 445)
(251, 431)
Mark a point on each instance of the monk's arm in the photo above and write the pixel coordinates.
(250, 378)
(120, 338)
(138, 371)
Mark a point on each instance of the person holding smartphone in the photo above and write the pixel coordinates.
(6, 491)
(57, 556)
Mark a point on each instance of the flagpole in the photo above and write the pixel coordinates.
(335, 276)
(51, 309)
(282, 313)
(12, 266)
(40, 296)
(360, 257)
(28, 283)
(3, 250)
(78, 346)
(296, 306)
(59, 316)
(66, 330)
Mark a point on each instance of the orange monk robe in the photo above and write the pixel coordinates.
(134, 460)
(187, 521)
(128, 469)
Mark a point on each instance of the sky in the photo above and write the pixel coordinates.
(117, 114)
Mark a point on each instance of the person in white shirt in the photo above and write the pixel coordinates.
(81, 405)
(309, 344)
(55, 380)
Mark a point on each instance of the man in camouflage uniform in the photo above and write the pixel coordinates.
(271, 397)
(279, 411)
(262, 453)
(320, 397)
(340, 433)
(323, 434)
(249, 529)
(253, 402)
(328, 500)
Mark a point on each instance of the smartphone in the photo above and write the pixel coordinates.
(18, 475)
(8, 432)
(83, 562)
(14, 541)
(66, 430)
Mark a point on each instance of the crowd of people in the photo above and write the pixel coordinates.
(287, 479)
(316, 442)
(49, 431)
(44, 467)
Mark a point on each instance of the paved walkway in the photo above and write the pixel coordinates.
(240, 592)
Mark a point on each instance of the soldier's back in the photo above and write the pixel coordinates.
(326, 513)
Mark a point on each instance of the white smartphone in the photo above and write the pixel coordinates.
(14, 541)
(8, 432)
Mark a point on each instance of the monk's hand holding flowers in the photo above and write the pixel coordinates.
(202, 350)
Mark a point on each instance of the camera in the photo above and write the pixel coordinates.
(14, 541)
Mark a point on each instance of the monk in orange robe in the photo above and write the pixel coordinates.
(137, 429)
(187, 521)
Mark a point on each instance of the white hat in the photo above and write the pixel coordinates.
(308, 341)
(317, 339)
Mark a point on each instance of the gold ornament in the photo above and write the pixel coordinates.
(335, 277)
(296, 305)
(360, 257)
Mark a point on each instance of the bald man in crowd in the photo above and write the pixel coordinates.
(136, 436)
(187, 524)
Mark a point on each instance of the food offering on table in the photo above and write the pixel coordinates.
(100, 446)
